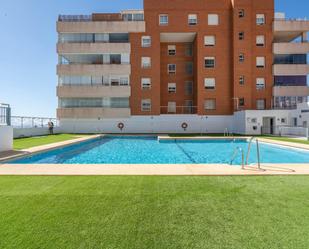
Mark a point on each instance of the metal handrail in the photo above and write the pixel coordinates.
(257, 151)
(235, 153)
(226, 133)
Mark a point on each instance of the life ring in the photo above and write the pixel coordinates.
(121, 126)
(184, 125)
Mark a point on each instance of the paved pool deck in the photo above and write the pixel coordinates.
(149, 169)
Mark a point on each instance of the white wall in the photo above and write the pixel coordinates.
(6, 138)
(244, 122)
(239, 123)
(150, 124)
(30, 132)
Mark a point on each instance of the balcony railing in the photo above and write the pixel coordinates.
(103, 17)
(32, 122)
(178, 109)
(75, 18)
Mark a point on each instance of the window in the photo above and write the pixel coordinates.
(171, 50)
(146, 105)
(171, 68)
(213, 19)
(260, 104)
(189, 68)
(209, 62)
(242, 80)
(133, 16)
(171, 87)
(210, 40)
(146, 83)
(192, 19)
(210, 104)
(260, 62)
(94, 102)
(241, 36)
(241, 13)
(189, 49)
(241, 57)
(125, 58)
(146, 62)
(115, 81)
(290, 59)
(118, 37)
(260, 83)
(163, 19)
(210, 83)
(171, 107)
(260, 40)
(124, 81)
(260, 19)
(241, 102)
(188, 88)
(146, 41)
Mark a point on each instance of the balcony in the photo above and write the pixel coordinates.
(292, 91)
(95, 70)
(290, 70)
(291, 48)
(95, 91)
(92, 113)
(287, 30)
(101, 27)
(93, 48)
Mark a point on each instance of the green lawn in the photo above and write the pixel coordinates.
(286, 139)
(154, 212)
(25, 143)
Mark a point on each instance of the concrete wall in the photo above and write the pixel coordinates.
(93, 113)
(94, 70)
(93, 48)
(291, 48)
(6, 138)
(30, 132)
(290, 70)
(96, 91)
(291, 91)
(101, 27)
(239, 123)
(251, 122)
(150, 124)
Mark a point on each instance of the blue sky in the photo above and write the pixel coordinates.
(28, 47)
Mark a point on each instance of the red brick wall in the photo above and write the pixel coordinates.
(179, 78)
(226, 51)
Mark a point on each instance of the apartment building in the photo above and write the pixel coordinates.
(178, 64)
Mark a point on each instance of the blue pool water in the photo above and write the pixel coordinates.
(148, 150)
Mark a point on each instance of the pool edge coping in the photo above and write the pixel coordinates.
(47, 147)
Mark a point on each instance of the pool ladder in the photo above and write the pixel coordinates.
(235, 154)
(226, 133)
(238, 149)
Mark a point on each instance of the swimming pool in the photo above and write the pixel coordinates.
(148, 150)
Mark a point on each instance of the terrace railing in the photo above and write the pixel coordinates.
(75, 18)
(178, 109)
(32, 122)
